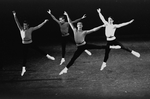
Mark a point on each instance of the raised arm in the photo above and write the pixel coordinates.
(123, 24)
(69, 21)
(101, 16)
(53, 17)
(40, 25)
(79, 19)
(94, 29)
(16, 20)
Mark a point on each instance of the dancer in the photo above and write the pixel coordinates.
(26, 35)
(79, 36)
(112, 43)
(65, 36)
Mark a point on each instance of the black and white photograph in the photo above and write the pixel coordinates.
(75, 49)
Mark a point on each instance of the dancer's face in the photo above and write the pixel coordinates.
(110, 20)
(61, 20)
(25, 26)
(79, 25)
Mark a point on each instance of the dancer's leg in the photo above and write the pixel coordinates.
(63, 46)
(77, 53)
(127, 49)
(25, 53)
(107, 51)
(32, 45)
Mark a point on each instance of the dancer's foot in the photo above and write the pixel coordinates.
(62, 61)
(50, 57)
(115, 47)
(88, 52)
(23, 70)
(63, 71)
(136, 54)
(103, 66)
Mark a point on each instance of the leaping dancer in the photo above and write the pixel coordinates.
(79, 36)
(26, 36)
(112, 43)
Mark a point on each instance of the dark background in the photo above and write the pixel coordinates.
(35, 12)
(123, 73)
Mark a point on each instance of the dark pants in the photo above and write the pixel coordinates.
(64, 41)
(80, 49)
(107, 50)
(25, 51)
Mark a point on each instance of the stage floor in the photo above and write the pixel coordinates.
(125, 77)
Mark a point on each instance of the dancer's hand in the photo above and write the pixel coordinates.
(98, 10)
(14, 13)
(131, 20)
(84, 16)
(65, 13)
(49, 11)
(46, 20)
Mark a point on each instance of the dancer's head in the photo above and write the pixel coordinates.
(62, 19)
(110, 20)
(25, 25)
(79, 25)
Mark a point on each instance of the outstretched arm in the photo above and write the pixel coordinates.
(16, 20)
(54, 18)
(123, 24)
(40, 25)
(79, 19)
(94, 29)
(69, 21)
(101, 16)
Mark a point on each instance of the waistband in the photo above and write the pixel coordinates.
(65, 34)
(27, 41)
(111, 38)
(80, 44)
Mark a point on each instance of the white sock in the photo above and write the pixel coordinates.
(103, 66)
(62, 61)
(88, 52)
(63, 71)
(115, 47)
(135, 53)
(23, 70)
(50, 57)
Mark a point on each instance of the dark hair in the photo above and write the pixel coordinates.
(63, 17)
(25, 22)
(79, 22)
(111, 17)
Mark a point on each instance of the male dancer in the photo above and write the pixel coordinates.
(26, 35)
(112, 43)
(64, 28)
(79, 36)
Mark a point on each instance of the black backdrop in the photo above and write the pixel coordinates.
(35, 12)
